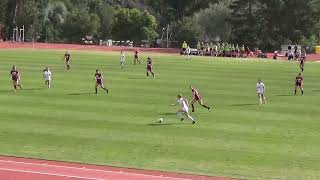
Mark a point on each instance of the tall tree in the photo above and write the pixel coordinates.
(134, 24)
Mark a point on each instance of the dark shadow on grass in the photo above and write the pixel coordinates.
(168, 124)
(80, 94)
(4, 91)
(167, 114)
(240, 105)
(136, 78)
(32, 89)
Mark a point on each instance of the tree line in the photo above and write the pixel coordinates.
(256, 23)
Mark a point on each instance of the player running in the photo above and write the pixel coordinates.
(99, 81)
(197, 98)
(184, 110)
(136, 57)
(150, 67)
(47, 77)
(299, 84)
(67, 58)
(15, 77)
(122, 60)
(261, 89)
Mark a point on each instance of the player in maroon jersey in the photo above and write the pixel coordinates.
(99, 81)
(67, 58)
(302, 61)
(15, 77)
(136, 57)
(150, 68)
(197, 98)
(299, 84)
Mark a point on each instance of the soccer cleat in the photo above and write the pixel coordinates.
(193, 110)
(107, 91)
(209, 109)
(182, 119)
(193, 122)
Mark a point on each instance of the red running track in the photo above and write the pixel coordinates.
(12, 168)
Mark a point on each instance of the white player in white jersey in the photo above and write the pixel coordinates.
(184, 110)
(188, 52)
(122, 60)
(47, 75)
(261, 89)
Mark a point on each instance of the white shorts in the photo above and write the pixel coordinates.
(260, 94)
(47, 79)
(185, 109)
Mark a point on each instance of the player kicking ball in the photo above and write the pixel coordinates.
(99, 81)
(261, 92)
(15, 77)
(197, 98)
(184, 110)
(67, 58)
(47, 77)
(299, 84)
(122, 60)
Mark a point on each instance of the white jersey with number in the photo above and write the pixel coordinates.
(260, 88)
(183, 104)
(47, 75)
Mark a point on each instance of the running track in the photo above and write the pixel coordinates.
(12, 168)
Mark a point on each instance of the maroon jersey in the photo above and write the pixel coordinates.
(67, 57)
(149, 64)
(14, 75)
(299, 80)
(98, 77)
(302, 60)
(196, 94)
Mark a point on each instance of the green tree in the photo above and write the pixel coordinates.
(80, 24)
(134, 24)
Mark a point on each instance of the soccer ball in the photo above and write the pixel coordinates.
(160, 120)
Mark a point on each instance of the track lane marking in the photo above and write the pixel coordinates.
(93, 170)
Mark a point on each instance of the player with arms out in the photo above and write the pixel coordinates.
(15, 77)
(197, 98)
(99, 81)
(261, 89)
(299, 84)
(47, 77)
(184, 110)
(67, 58)
(136, 57)
(122, 60)
(150, 67)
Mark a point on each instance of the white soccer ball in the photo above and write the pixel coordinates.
(160, 120)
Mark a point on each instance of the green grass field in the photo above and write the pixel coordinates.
(237, 139)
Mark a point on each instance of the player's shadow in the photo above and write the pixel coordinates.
(168, 124)
(32, 89)
(241, 105)
(4, 91)
(80, 94)
(168, 114)
(136, 78)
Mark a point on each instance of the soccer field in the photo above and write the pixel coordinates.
(238, 139)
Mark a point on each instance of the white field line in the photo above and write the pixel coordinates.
(93, 170)
(48, 174)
